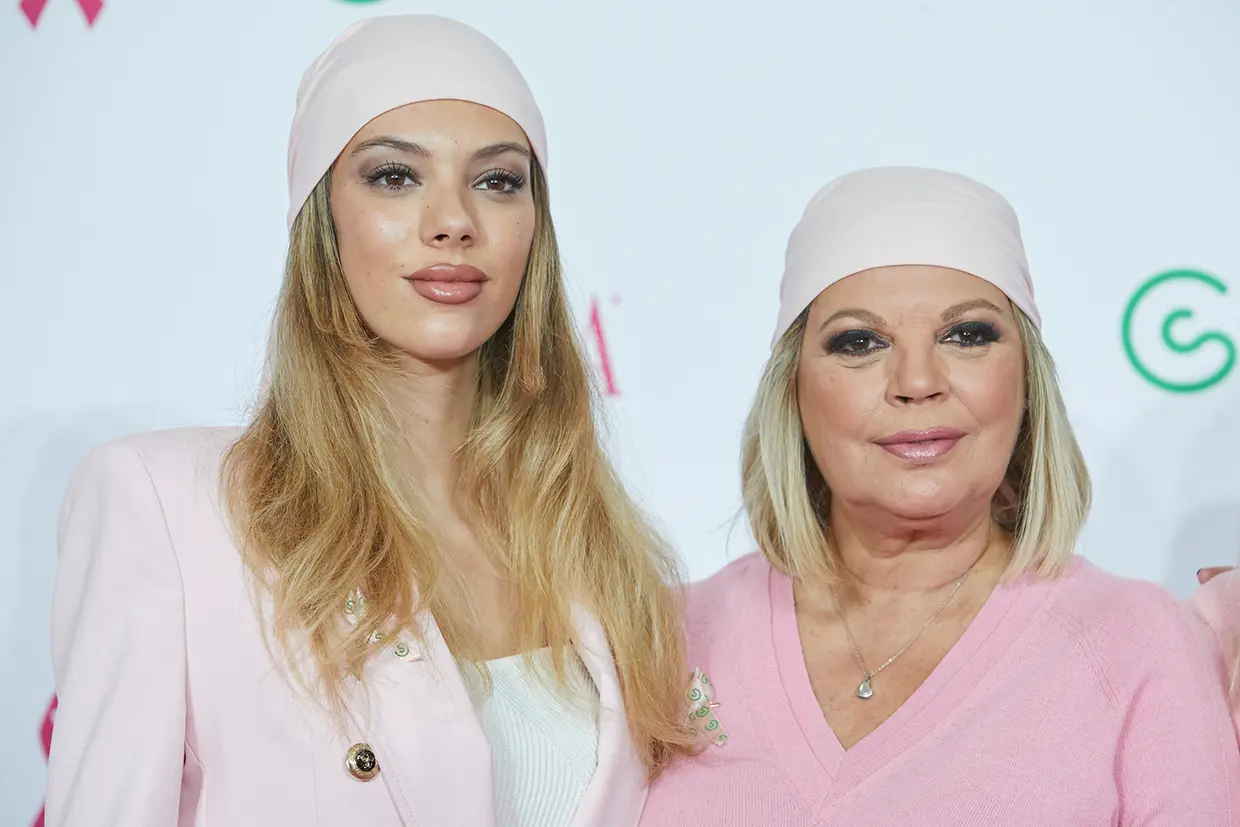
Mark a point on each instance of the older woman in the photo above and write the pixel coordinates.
(916, 643)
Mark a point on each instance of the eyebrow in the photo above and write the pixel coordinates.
(854, 313)
(957, 310)
(502, 148)
(409, 147)
(950, 314)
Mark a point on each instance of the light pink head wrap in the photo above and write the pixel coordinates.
(383, 63)
(903, 215)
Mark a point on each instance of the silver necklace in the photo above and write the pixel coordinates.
(866, 690)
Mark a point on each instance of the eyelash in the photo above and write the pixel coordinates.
(513, 180)
(378, 177)
(979, 334)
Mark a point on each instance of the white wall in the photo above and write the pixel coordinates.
(142, 200)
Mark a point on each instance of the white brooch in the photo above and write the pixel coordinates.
(702, 718)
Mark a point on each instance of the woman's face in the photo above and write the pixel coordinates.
(434, 219)
(911, 390)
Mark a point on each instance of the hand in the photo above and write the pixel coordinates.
(1207, 574)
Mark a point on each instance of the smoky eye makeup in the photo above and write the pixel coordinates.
(971, 334)
(854, 342)
(860, 342)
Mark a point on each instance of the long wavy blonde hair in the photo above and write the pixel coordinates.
(1042, 502)
(323, 510)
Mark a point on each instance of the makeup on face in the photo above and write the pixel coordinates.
(922, 447)
(448, 283)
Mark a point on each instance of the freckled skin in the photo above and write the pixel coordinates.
(397, 211)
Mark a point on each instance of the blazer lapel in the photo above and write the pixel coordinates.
(617, 792)
(434, 758)
(420, 723)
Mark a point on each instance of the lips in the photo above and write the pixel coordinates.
(448, 283)
(921, 447)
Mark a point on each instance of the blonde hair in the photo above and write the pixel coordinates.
(1042, 502)
(322, 509)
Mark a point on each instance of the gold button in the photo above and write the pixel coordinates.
(361, 762)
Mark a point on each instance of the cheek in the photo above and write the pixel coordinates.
(505, 256)
(390, 232)
(836, 402)
(513, 251)
(370, 237)
(995, 396)
(837, 410)
(370, 243)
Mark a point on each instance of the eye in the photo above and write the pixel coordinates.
(392, 177)
(855, 343)
(501, 181)
(972, 334)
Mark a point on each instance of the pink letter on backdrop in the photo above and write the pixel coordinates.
(45, 735)
(34, 10)
(596, 327)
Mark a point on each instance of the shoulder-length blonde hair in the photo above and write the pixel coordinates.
(1042, 502)
(322, 509)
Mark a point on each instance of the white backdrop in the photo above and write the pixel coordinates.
(142, 200)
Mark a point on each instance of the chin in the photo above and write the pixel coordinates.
(440, 342)
(922, 502)
(919, 511)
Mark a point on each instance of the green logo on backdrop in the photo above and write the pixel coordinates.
(1179, 344)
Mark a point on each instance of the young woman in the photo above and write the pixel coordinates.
(412, 590)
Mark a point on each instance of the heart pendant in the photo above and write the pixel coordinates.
(865, 691)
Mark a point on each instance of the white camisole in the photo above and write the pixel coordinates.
(544, 746)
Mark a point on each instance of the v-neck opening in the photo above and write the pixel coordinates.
(952, 681)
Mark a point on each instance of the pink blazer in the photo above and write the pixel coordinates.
(172, 711)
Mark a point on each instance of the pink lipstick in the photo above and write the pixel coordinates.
(448, 283)
(921, 446)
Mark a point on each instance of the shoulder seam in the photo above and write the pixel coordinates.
(163, 511)
(1084, 642)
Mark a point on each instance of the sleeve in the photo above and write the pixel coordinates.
(1178, 760)
(1217, 606)
(118, 652)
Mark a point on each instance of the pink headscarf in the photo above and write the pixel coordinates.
(383, 63)
(903, 215)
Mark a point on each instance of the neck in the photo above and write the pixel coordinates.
(434, 404)
(886, 556)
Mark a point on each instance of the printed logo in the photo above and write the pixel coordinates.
(1176, 335)
(600, 344)
(33, 9)
(45, 735)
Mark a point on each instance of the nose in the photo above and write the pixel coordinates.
(447, 220)
(916, 377)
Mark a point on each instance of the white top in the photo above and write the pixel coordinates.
(544, 746)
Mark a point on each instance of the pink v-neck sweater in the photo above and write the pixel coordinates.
(1081, 702)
